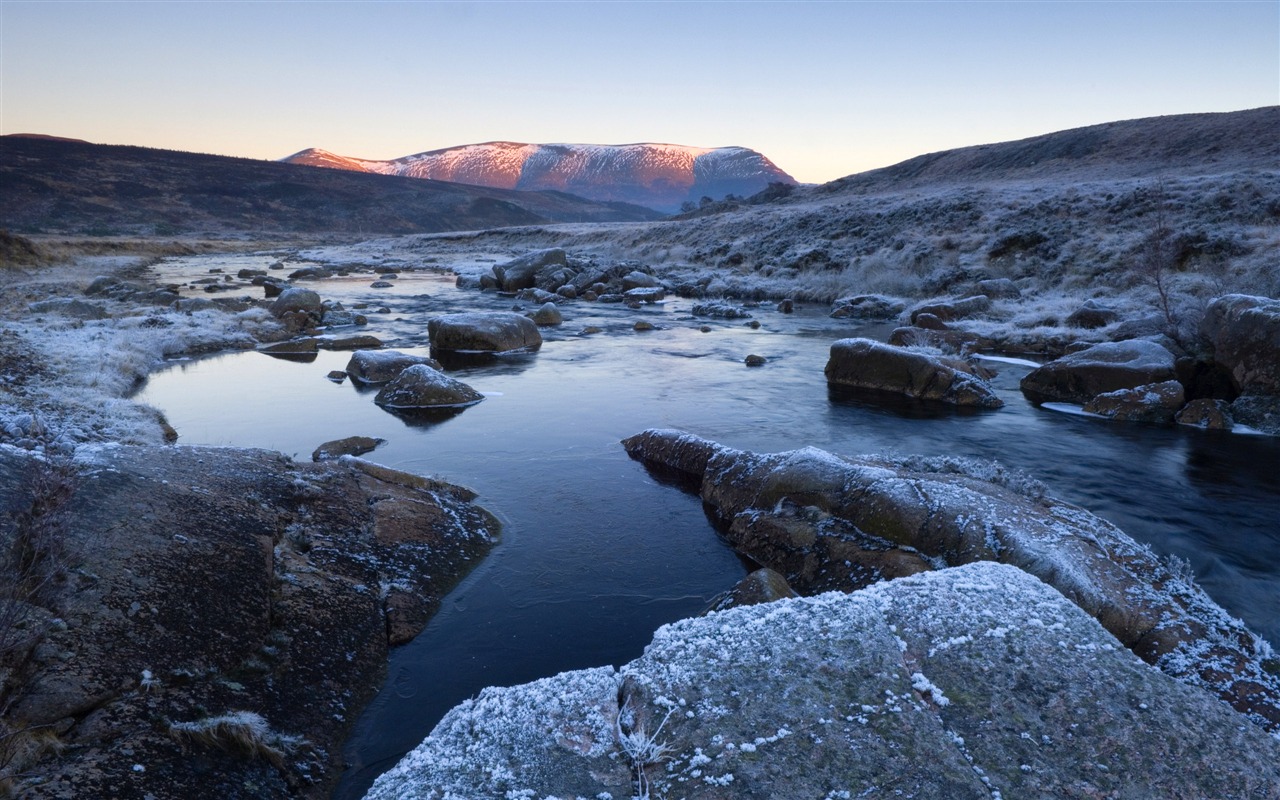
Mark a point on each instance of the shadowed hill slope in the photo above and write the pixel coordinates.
(66, 186)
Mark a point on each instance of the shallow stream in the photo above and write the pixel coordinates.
(595, 552)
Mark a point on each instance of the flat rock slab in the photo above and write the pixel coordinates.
(210, 581)
(973, 682)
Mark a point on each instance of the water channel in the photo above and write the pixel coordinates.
(595, 552)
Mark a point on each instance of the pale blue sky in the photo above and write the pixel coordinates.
(824, 89)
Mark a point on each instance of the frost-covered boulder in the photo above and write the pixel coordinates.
(953, 309)
(420, 386)
(867, 364)
(974, 682)
(520, 273)
(1245, 334)
(483, 332)
(296, 299)
(840, 522)
(381, 366)
(1106, 367)
(1153, 402)
(1092, 314)
(638, 280)
(719, 309)
(867, 306)
(1261, 412)
(646, 294)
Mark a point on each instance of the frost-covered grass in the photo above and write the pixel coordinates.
(241, 733)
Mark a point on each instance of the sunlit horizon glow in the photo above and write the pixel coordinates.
(823, 89)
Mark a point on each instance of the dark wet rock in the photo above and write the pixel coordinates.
(590, 296)
(704, 328)
(611, 298)
(520, 273)
(866, 364)
(496, 332)
(1205, 378)
(840, 522)
(646, 294)
(567, 292)
(248, 274)
(336, 375)
(642, 325)
(69, 307)
(1140, 327)
(310, 273)
(1077, 377)
(953, 309)
(350, 446)
(1260, 412)
(217, 580)
(720, 310)
(998, 288)
(787, 306)
(964, 684)
(381, 285)
(420, 386)
(762, 586)
(1092, 314)
(867, 306)
(362, 342)
(489, 282)
(1245, 334)
(536, 296)
(296, 299)
(382, 366)
(548, 315)
(291, 347)
(553, 278)
(754, 360)
(929, 322)
(1153, 402)
(590, 329)
(1207, 413)
(272, 289)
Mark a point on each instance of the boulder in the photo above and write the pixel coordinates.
(867, 306)
(1260, 412)
(521, 272)
(548, 315)
(867, 364)
(755, 360)
(1207, 413)
(381, 366)
(720, 310)
(786, 306)
(929, 322)
(296, 299)
(1245, 333)
(554, 277)
(1092, 315)
(1106, 367)
(646, 294)
(949, 340)
(420, 386)
(69, 307)
(1153, 402)
(350, 446)
(762, 586)
(998, 287)
(638, 280)
(537, 296)
(362, 342)
(479, 332)
(965, 684)
(828, 522)
(954, 309)
(567, 292)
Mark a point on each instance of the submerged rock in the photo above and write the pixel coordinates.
(492, 332)
(420, 386)
(867, 364)
(970, 682)
(350, 446)
(1106, 367)
(381, 366)
(833, 522)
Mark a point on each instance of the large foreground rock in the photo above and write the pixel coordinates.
(973, 682)
(867, 364)
(1245, 334)
(215, 583)
(483, 332)
(1106, 367)
(833, 522)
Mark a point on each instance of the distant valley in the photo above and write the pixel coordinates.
(659, 176)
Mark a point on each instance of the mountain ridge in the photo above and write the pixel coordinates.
(653, 174)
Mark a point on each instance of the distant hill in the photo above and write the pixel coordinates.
(1183, 144)
(61, 185)
(660, 176)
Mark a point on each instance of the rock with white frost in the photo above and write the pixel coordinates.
(1106, 367)
(839, 522)
(1153, 402)
(420, 386)
(483, 332)
(973, 682)
(520, 273)
(382, 366)
(867, 364)
(1245, 334)
(954, 309)
(867, 306)
(298, 300)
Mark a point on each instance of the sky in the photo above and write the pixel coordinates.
(824, 89)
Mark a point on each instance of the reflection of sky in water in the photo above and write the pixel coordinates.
(596, 553)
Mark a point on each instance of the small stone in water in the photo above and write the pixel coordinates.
(754, 360)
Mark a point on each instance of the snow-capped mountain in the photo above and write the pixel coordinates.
(660, 176)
